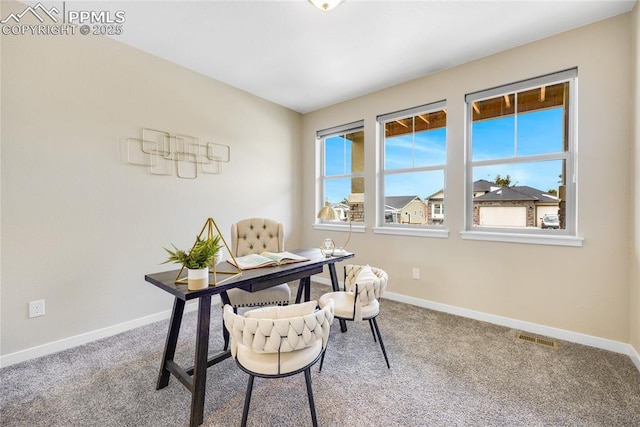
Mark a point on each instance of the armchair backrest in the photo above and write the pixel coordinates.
(368, 285)
(255, 235)
(356, 274)
(272, 332)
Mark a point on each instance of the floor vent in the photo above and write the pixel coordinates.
(536, 340)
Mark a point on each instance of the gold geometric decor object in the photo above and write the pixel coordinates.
(209, 227)
(165, 154)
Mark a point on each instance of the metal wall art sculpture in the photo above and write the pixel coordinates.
(185, 155)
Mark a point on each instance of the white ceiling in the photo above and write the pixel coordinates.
(300, 57)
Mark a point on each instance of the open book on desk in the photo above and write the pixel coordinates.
(265, 259)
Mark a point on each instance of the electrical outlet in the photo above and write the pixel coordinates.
(36, 308)
(416, 273)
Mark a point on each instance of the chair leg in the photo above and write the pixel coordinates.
(343, 325)
(375, 324)
(247, 401)
(312, 406)
(322, 359)
(225, 336)
(372, 332)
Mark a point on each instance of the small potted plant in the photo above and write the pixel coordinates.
(196, 261)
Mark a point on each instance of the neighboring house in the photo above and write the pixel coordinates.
(482, 186)
(356, 207)
(341, 209)
(352, 210)
(517, 206)
(435, 208)
(405, 210)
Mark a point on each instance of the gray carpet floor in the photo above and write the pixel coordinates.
(445, 371)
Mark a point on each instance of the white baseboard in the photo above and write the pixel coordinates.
(575, 337)
(635, 357)
(562, 334)
(66, 343)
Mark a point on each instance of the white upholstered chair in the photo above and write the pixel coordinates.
(253, 236)
(363, 286)
(275, 342)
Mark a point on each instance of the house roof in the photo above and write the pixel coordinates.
(399, 202)
(541, 195)
(439, 193)
(479, 185)
(483, 185)
(520, 192)
(340, 206)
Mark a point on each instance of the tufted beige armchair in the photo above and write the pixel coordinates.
(253, 236)
(363, 286)
(275, 342)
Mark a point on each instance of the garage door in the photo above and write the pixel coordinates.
(503, 216)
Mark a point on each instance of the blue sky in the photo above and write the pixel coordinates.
(539, 132)
(421, 149)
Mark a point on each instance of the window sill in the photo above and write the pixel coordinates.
(535, 239)
(418, 232)
(340, 227)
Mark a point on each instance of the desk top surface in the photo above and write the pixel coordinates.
(266, 275)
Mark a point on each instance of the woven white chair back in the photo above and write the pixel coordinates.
(368, 291)
(273, 335)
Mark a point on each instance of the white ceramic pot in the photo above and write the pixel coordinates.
(197, 279)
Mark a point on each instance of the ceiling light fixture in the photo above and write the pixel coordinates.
(325, 4)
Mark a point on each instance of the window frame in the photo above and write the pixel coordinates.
(437, 210)
(437, 230)
(321, 136)
(564, 237)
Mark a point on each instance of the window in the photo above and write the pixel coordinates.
(520, 156)
(342, 170)
(437, 210)
(413, 153)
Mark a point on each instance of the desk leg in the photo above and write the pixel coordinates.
(170, 345)
(300, 289)
(304, 286)
(200, 363)
(336, 288)
(334, 277)
(307, 288)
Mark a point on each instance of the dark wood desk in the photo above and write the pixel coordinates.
(194, 378)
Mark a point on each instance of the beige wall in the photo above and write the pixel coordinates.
(585, 290)
(80, 227)
(634, 318)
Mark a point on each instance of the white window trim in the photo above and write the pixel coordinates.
(568, 236)
(433, 210)
(418, 231)
(437, 231)
(340, 226)
(511, 237)
(320, 177)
